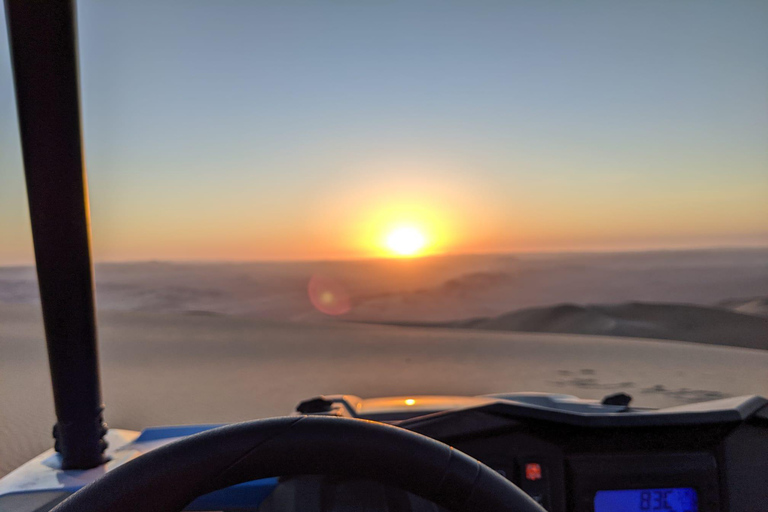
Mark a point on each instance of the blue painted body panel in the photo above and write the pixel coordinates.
(157, 433)
(249, 494)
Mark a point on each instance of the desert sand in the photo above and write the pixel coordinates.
(176, 368)
(194, 343)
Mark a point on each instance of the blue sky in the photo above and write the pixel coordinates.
(249, 130)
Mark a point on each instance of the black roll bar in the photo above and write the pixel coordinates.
(43, 42)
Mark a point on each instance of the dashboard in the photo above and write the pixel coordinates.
(568, 454)
(573, 455)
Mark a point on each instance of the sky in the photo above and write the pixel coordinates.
(237, 130)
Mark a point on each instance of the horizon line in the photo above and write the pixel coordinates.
(722, 248)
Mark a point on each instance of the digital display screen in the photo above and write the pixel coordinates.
(679, 499)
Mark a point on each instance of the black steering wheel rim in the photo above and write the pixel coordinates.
(170, 477)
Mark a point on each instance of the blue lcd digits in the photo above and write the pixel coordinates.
(680, 499)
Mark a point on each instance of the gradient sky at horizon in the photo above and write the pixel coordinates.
(300, 130)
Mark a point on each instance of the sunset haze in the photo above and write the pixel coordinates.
(303, 131)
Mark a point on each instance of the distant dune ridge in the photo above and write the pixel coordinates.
(709, 296)
(637, 320)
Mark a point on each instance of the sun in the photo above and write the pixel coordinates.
(406, 241)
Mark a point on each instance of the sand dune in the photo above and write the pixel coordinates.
(638, 320)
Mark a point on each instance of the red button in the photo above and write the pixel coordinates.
(532, 471)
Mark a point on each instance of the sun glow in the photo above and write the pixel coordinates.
(406, 241)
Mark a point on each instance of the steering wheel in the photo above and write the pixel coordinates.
(170, 477)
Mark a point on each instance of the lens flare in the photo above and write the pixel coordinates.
(328, 296)
(406, 241)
